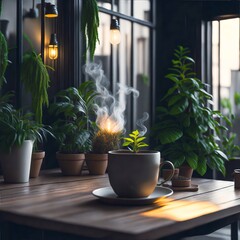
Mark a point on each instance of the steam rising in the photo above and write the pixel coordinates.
(109, 109)
(142, 127)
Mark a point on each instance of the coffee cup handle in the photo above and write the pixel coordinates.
(170, 176)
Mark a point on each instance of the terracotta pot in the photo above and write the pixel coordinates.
(96, 163)
(70, 164)
(134, 175)
(36, 163)
(167, 172)
(185, 171)
(16, 164)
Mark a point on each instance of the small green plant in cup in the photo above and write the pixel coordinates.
(135, 141)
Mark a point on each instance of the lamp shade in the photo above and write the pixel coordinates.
(51, 10)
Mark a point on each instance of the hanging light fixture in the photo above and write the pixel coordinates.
(53, 47)
(51, 10)
(115, 35)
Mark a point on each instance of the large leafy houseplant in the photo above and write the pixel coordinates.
(186, 127)
(73, 127)
(72, 109)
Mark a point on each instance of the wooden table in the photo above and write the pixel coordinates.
(65, 204)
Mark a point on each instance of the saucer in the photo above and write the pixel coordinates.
(107, 195)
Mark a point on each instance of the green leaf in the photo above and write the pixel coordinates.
(140, 145)
(129, 140)
(140, 139)
(174, 99)
(179, 107)
(135, 133)
(202, 166)
(192, 159)
(169, 135)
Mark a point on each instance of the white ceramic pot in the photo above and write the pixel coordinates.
(16, 164)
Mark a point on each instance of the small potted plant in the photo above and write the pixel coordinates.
(35, 77)
(73, 127)
(134, 173)
(186, 126)
(104, 140)
(17, 133)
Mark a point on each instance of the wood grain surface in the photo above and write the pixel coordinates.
(66, 204)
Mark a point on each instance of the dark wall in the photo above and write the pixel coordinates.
(67, 27)
(178, 23)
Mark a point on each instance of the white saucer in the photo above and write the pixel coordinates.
(107, 195)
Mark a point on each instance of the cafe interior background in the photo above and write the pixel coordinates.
(150, 31)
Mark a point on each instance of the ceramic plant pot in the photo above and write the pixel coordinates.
(96, 163)
(70, 164)
(134, 175)
(16, 164)
(36, 163)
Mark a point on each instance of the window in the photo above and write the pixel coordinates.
(131, 61)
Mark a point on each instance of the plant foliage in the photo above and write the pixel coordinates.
(3, 58)
(104, 141)
(134, 142)
(89, 25)
(186, 127)
(36, 80)
(228, 137)
(72, 109)
(16, 127)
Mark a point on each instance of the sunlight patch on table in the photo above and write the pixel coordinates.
(181, 210)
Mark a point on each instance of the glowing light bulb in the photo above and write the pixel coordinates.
(53, 47)
(115, 35)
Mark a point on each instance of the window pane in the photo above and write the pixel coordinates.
(215, 68)
(104, 4)
(124, 67)
(141, 9)
(142, 71)
(103, 50)
(124, 7)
